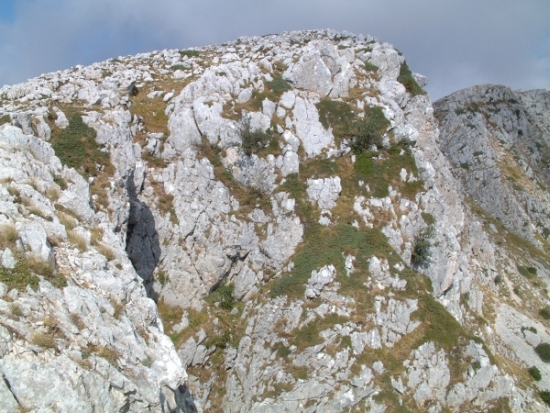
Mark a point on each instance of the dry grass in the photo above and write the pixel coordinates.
(8, 236)
(96, 235)
(66, 220)
(43, 340)
(106, 251)
(77, 240)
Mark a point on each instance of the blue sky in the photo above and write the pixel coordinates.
(455, 43)
(7, 10)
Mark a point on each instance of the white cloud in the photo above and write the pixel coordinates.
(456, 44)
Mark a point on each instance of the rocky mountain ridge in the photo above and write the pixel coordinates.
(285, 202)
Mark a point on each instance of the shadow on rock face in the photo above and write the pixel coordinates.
(142, 241)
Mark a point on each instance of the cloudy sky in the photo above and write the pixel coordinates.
(455, 43)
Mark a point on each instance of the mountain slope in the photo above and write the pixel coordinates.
(286, 204)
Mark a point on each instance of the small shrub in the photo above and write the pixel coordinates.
(543, 350)
(406, 79)
(527, 272)
(224, 295)
(279, 85)
(545, 397)
(371, 67)
(422, 245)
(535, 373)
(545, 313)
(254, 140)
(189, 53)
(177, 67)
(370, 130)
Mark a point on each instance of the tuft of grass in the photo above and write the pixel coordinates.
(8, 236)
(43, 340)
(543, 350)
(78, 240)
(406, 79)
(106, 251)
(97, 235)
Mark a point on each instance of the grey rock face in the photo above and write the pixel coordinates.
(484, 131)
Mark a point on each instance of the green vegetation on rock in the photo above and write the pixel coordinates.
(406, 79)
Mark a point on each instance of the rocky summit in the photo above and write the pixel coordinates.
(276, 224)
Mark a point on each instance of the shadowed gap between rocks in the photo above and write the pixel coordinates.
(143, 249)
(142, 240)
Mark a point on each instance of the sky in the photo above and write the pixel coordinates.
(456, 44)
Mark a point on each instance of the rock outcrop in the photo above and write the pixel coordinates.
(271, 225)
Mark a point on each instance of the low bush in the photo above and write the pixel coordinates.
(189, 53)
(543, 350)
(545, 397)
(279, 85)
(254, 140)
(422, 245)
(545, 313)
(223, 295)
(535, 373)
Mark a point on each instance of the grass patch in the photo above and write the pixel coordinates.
(5, 119)
(76, 147)
(370, 67)
(165, 204)
(26, 272)
(345, 123)
(334, 242)
(379, 170)
(406, 79)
